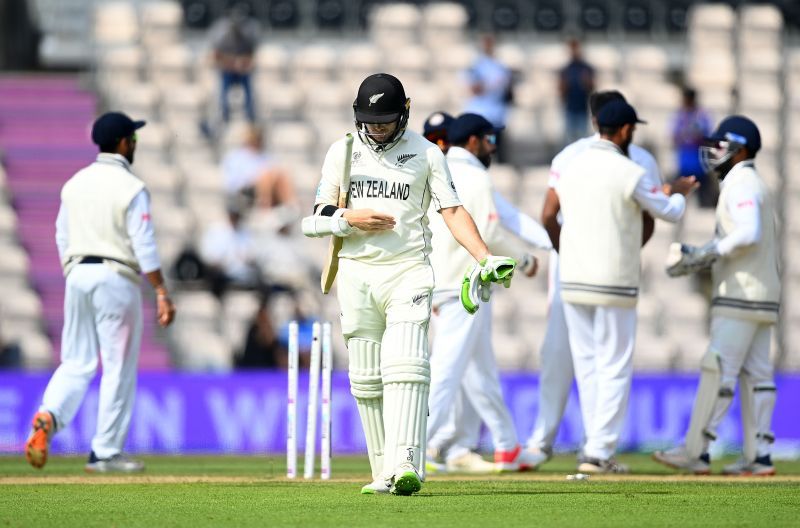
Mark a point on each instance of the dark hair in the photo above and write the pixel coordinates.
(608, 130)
(109, 148)
(598, 100)
(689, 94)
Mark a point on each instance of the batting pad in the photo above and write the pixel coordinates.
(704, 403)
(764, 395)
(406, 380)
(367, 387)
(747, 407)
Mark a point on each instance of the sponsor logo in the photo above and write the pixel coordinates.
(374, 98)
(356, 159)
(410, 456)
(452, 185)
(403, 158)
(417, 299)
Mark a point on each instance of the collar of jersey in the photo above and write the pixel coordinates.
(744, 164)
(114, 159)
(463, 155)
(605, 144)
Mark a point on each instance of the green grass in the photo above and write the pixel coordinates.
(252, 491)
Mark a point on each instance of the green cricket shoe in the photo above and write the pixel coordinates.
(406, 480)
(376, 487)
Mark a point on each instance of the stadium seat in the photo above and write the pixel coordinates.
(330, 14)
(548, 16)
(676, 16)
(444, 24)
(199, 14)
(394, 25)
(636, 17)
(505, 16)
(594, 16)
(283, 14)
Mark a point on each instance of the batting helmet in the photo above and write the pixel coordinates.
(381, 99)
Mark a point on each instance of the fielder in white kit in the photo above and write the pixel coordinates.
(602, 195)
(743, 258)
(105, 241)
(462, 359)
(385, 277)
(556, 370)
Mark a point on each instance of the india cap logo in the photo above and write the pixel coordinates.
(374, 98)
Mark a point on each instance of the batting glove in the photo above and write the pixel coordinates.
(474, 289)
(498, 269)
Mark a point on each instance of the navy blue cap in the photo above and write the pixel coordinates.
(110, 127)
(467, 125)
(437, 123)
(738, 129)
(616, 114)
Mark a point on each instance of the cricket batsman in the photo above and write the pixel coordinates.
(391, 175)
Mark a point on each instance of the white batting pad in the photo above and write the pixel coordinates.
(367, 387)
(704, 403)
(406, 380)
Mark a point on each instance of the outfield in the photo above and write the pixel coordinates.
(252, 491)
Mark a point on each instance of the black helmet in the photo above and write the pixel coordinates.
(733, 134)
(381, 99)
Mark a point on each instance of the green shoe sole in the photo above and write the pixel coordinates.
(406, 484)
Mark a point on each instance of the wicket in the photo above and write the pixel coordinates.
(321, 351)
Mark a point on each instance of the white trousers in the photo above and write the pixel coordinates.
(102, 317)
(462, 363)
(602, 340)
(743, 348)
(556, 371)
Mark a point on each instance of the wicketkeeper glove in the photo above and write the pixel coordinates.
(476, 286)
(683, 259)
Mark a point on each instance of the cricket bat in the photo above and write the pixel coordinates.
(332, 261)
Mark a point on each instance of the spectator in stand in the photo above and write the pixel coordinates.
(576, 82)
(689, 126)
(228, 252)
(248, 170)
(234, 39)
(262, 348)
(491, 87)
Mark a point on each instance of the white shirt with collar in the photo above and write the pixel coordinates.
(402, 182)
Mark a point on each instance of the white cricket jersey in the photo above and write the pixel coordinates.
(449, 259)
(746, 277)
(105, 212)
(602, 232)
(402, 182)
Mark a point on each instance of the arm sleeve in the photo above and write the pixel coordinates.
(62, 232)
(332, 167)
(521, 224)
(141, 233)
(743, 206)
(440, 183)
(653, 200)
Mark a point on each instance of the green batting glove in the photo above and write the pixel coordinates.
(474, 289)
(498, 269)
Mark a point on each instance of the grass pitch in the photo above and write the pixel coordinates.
(253, 491)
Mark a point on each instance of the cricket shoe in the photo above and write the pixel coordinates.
(405, 481)
(118, 463)
(760, 467)
(518, 459)
(595, 466)
(678, 458)
(376, 487)
(39, 440)
(470, 462)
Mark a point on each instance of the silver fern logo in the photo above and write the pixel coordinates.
(403, 158)
(374, 98)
